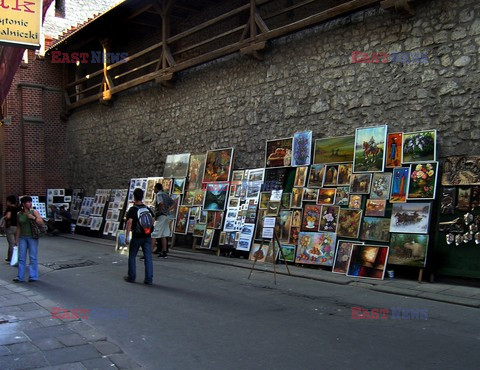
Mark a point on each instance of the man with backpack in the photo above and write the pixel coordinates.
(140, 223)
(164, 204)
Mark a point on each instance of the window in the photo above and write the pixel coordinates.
(60, 8)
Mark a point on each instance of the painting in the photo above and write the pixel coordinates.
(278, 153)
(349, 222)
(375, 228)
(167, 185)
(449, 198)
(284, 224)
(243, 244)
(342, 256)
(251, 213)
(218, 164)
(237, 175)
(408, 250)
(257, 174)
(310, 195)
(286, 200)
(344, 174)
(394, 150)
(223, 237)
(331, 174)
(311, 217)
(297, 218)
(233, 202)
(334, 149)
(419, 146)
(288, 252)
(183, 215)
(253, 189)
(412, 218)
(381, 183)
(341, 198)
(196, 170)
(297, 196)
(368, 261)
(178, 186)
(375, 207)
(247, 231)
(198, 197)
(461, 170)
(300, 177)
(199, 230)
(317, 173)
(264, 199)
(360, 183)
(176, 165)
(326, 196)
(370, 149)
(302, 148)
(275, 178)
(208, 238)
(215, 197)
(258, 252)
(464, 199)
(294, 233)
(259, 226)
(329, 218)
(316, 248)
(423, 181)
(400, 180)
(192, 221)
(273, 208)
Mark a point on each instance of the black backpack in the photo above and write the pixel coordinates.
(145, 221)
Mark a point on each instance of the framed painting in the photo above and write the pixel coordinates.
(278, 153)
(331, 174)
(192, 221)
(316, 248)
(342, 256)
(284, 224)
(419, 146)
(334, 149)
(258, 252)
(289, 253)
(259, 226)
(311, 217)
(349, 222)
(247, 231)
(341, 198)
(218, 164)
(408, 250)
(411, 218)
(300, 177)
(238, 175)
(297, 218)
(375, 207)
(264, 199)
(326, 196)
(464, 198)
(276, 195)
(215, 197)
(370, 149)
(360, 183)
(167, 185)
(329, 218)
(394, 150)
(199, 230)
(381, 183)
(302, 148)
(181, 224)
(233, 202)
(375, 228)
(196, 169)
(423, 181)
(294, 233)
(208, 238)
(297, 196)
(199, 197)
(400, 180)
(253, 189)
(368, 261)
(243, 244)
(222, 238)
(257, 174)
(317, 173)
(310, 195)
(461, 170)
(285, 202)
(273, 208)
(178, 186)
(176, 165)
(344, 174)
(251, 213)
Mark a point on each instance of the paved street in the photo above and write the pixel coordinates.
(201, 315)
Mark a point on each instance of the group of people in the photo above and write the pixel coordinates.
(147, 227)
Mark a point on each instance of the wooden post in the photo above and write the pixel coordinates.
(255, 260)
(281, 252)
(420, 275)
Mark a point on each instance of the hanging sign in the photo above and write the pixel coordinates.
(20, 23)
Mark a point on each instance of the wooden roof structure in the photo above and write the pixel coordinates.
(164, 37)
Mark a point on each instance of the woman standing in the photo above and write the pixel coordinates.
(25, 240)
(11, 222)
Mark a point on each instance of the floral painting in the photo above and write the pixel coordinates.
(370, 149)
(381, 185)
(294, 233)
(329, 219)
(394, 150)
(423, 180)
(400, 179)
(218, 165)
(368, 261)
(311, 217)
(349, 222)
(334, 149)
(316, 248)
(176, 165)
(419, 146)
(196, 170)
(341, 198)
(408, 250)
(278, 153)
(302, 148)
(317, 173)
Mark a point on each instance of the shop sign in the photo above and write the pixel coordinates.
(20, 22)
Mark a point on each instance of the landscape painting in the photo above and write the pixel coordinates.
(408, 250)
(176, 165)
(215, 197)
(375, 228)
(412, 218)
(334, 149)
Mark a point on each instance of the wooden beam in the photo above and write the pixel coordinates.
(401, 6)
(143, 9)
(157, 26)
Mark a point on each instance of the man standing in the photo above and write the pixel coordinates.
(163, 206)
(140, 223)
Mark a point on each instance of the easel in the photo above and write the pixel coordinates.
(275, 239)
(420, 275)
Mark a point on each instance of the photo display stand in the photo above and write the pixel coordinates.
(272, 240)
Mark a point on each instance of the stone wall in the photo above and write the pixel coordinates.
(306, 82)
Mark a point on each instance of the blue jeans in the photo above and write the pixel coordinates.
(27, 243)
(135, 244)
